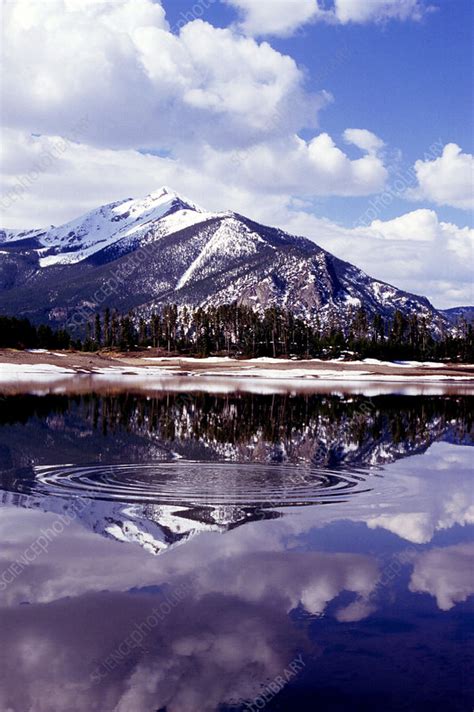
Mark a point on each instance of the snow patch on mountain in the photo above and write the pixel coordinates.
(81, 238)
(232, 240)
(78, 239)
(7, 236)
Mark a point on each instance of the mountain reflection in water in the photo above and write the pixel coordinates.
(253, 530)
(324, 430)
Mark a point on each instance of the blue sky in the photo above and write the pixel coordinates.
(410, 83)
(305, 114)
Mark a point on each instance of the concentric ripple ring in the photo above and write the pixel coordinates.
(197, 483)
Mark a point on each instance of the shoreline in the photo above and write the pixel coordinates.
(22, 371)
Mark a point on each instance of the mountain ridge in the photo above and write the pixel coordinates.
(193, 258)
(454, 314)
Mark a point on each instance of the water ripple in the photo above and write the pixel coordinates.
(198, 483)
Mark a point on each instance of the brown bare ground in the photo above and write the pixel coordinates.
(89, 362)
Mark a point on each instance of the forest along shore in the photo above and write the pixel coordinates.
(20, 364)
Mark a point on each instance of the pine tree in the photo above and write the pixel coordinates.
(107, 331)
(97, 331)
(142, 333)
(155, 330)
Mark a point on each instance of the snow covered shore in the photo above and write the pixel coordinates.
(44, 368)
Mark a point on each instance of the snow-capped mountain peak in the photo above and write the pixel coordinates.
(193, 258)
(157, 203)
(82, 237)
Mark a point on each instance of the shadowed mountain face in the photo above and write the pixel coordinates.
(456, 314)
(141, 254)
(158, 470)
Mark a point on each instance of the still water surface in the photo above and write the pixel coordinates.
(242, 551)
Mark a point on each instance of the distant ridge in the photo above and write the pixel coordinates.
(456, 313)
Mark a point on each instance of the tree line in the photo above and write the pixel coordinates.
(239, 331)
(22, 334)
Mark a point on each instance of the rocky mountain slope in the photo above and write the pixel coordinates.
(141, 254)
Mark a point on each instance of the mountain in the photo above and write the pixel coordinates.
(455, 314)
(140, 254)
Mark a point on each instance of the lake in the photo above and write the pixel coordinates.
(236, 550)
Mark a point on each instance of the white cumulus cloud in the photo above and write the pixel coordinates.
(360, 11)
(233, 178)
(140, 84)
(283, 17)
(363, 139)
(448, 179)
(293, 165)
(419, 225)
(280, 17)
